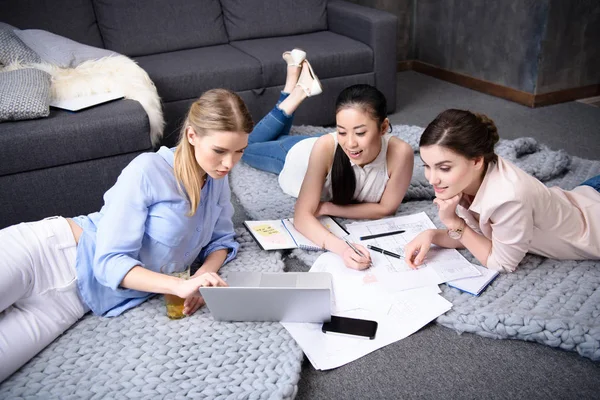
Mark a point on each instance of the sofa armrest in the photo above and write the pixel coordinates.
(376, 29)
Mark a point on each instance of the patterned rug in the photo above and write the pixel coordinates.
(556, 303)
(143, 354)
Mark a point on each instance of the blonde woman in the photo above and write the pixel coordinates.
(172, 205)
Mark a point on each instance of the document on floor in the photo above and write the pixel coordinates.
(440, 265)
(398, 314)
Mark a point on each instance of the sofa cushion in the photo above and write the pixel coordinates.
(137, 28)
(247, 19)
(13, 48)
(74, 19)
(186, 74)
(330, 55)
(24, 94)
(114, 128)
(59, 50)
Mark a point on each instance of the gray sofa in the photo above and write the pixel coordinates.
(62, 164)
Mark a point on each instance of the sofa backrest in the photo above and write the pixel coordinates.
(74, 19)
(248, 19)
(142, 27)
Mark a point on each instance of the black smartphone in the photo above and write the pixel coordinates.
(351, 326)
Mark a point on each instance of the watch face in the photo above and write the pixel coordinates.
(454, 234)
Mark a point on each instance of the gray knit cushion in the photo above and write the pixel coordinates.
(249, 19)
(13, 49)
(24, 94)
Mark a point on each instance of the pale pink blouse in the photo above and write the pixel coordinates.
(519, 214)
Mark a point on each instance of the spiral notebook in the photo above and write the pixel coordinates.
(280, 234)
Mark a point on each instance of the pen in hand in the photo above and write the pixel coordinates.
(357, 251)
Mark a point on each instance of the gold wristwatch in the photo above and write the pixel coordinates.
(458, 232)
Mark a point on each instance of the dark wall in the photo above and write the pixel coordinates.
(493, 40)
(536, 46)
(570, 55)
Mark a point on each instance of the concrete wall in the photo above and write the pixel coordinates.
(535, 46)
(570, 55)
(497, 41)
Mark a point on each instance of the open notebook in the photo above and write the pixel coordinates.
(477, 284)
(280, 234)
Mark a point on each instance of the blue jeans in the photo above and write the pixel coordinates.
(270, 140)
(593, 182)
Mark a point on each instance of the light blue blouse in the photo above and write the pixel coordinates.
(144, 222)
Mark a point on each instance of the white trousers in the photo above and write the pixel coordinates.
(39, 298)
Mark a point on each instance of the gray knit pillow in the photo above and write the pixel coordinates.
(24, 94)
(13, 49)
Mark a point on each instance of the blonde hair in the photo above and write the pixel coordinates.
(216, 110)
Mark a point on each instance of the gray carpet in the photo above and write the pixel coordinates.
(143, 354)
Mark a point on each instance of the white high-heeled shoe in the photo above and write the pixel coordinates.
(308, 80)
(294, 57)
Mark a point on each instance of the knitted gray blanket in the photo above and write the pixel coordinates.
(552, 302)
(143, 354)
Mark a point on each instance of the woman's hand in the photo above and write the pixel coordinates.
(189, 290)
(416, 250)
(447, 211)
(356, 261)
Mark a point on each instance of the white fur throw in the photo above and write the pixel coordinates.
(114, 73)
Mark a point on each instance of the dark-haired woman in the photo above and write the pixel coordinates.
(494, 209)
(356, 172)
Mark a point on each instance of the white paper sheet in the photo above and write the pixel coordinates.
(83, 102)
(441, 265)
(398, 314)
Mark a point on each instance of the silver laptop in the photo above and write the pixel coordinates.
(271, 296)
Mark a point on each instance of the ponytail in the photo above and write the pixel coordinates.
(343, 180)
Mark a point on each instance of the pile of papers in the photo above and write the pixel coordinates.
(400, 299)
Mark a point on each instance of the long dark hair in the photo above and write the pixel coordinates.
(370, 100)
(464, 132)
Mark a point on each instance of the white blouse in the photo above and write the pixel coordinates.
(371, 179)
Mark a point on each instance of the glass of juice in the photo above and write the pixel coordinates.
(175, 303)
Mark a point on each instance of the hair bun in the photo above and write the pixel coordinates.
(491, 127)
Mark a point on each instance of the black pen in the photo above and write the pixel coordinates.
(382, 251)
(377, 235)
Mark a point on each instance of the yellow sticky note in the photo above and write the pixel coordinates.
(266, 230)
